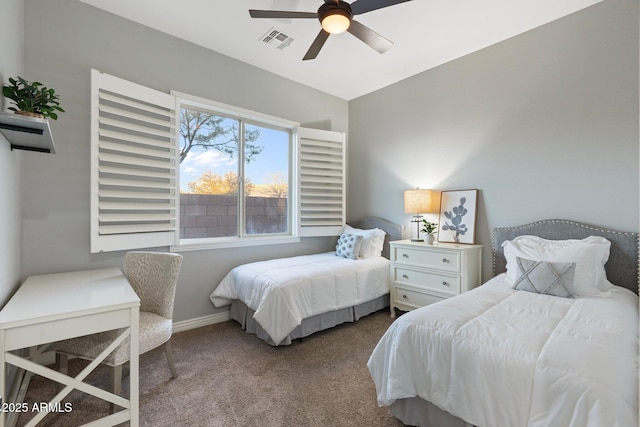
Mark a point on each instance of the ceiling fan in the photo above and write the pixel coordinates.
(336, 16)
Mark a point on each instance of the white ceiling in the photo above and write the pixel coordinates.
(426, 33)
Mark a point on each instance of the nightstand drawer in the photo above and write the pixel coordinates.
(414, 299)
(441, 260)
(445, 283)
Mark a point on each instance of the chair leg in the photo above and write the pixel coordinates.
(116, 384)
(62, 363)
(62, 366)
(169, 353)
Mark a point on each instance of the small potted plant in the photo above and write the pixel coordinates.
(429, 228)
(32, 99)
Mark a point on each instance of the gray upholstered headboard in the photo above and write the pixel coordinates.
(622, 267)
(394, 231)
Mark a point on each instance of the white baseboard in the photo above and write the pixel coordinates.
(198, 322)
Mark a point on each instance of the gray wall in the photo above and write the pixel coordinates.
(11, 65)
(63, 41)
(545, 125)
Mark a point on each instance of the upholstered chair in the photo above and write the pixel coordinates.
(153, 276)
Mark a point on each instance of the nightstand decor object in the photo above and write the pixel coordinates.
(429, 228)
(417, 202)
(423, 274)
(458, 216)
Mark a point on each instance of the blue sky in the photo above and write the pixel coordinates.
(272, 159)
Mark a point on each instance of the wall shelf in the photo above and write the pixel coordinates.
(27, 133)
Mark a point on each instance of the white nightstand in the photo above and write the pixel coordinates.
(422, 274)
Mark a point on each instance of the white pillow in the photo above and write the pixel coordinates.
(589, 254)
(372, 242)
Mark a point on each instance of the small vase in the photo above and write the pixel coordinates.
(429, 239)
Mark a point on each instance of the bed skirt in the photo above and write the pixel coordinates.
(244, 315)
(415, 411)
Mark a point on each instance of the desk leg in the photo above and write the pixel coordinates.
(133, 367)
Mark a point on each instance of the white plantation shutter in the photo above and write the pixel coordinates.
(322, 182)
(133, 165)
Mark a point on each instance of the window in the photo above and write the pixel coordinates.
(181, 171)
(235, 176)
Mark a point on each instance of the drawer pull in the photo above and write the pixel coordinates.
(444, 283)
(445, 260)
(404, 276)
(404, 296)
(405, 255)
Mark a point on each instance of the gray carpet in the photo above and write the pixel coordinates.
(230, 378)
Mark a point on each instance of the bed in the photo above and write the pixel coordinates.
(285, 299)
(500, 357)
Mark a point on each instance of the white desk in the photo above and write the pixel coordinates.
(54, 307)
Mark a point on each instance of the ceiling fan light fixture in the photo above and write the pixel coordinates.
(335, 18)
(336, 23)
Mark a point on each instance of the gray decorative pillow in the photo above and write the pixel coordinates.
(542, 277)
(348, 245)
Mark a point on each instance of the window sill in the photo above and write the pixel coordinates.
(204, 244)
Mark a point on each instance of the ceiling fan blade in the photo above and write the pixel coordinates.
(316, 45)
(359, 7)
(370, 37)
(286, 14)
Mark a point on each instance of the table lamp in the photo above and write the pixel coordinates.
(417, 202)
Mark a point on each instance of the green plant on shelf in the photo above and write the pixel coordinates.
(32, 97)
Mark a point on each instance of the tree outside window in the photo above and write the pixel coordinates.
(224, 160)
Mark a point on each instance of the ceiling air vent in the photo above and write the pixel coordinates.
(277, 38)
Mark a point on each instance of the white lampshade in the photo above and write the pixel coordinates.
(335, 23)
(417, 201)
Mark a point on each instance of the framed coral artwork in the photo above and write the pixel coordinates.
(458, 216)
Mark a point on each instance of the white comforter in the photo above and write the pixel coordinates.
(284, 291)
(500, 358)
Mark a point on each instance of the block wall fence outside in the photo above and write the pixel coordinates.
(211, 215)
